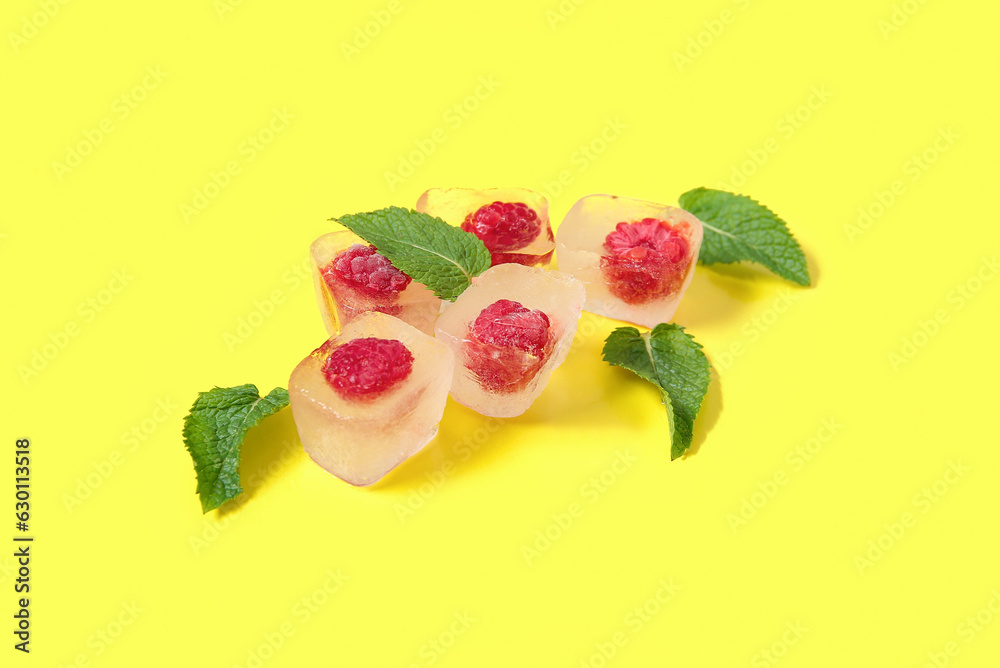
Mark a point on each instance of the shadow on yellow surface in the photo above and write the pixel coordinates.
(270, 448)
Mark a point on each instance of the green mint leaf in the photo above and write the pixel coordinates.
(214, 430)
(669, 358)
(443, 257)
(737, 228)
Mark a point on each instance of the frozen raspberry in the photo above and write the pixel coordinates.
(504, 226)
(646, 260)
(364, 368)
(366, 270)
(508, 345)
(508, 323)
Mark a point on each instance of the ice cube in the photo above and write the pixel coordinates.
(351, 279)
(512, 222)
(371, 397)
(509, 331)
(635, 258)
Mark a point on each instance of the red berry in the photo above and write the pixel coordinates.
(504, 226)
(509, 323)
(365, 368)
(508, 345)
(364, 269)
(645, 260)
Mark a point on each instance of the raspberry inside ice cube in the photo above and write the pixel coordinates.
(636, 258)
(507, 345)
(509, 330)
(351, 278)
(513, 223)
(370, 397)
(646, 260)
(365, 368)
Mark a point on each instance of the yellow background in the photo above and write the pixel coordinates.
(644, 100)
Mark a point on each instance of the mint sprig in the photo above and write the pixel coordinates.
(737, 228)
(443, 257)
(669, 358)
(213, 433)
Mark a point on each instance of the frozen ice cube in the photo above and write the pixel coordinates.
(371, 397)
(351, 278)
(635, 258)
(512, 222)
(509, 331)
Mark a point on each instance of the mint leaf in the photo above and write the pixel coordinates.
(443, 257)
(214, 430)
(671, 359)
(738, 228)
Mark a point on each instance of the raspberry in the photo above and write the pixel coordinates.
(509, 323)
(508, 346)
(365, 368)
(504, 226)
(646, 260)
(367, 271)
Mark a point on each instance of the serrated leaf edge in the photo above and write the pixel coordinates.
(784, 225)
